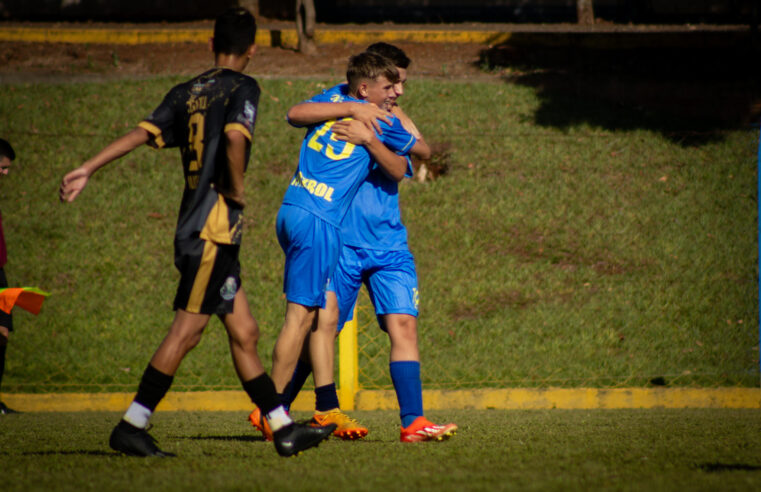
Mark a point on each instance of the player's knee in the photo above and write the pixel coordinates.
(184, 338)
(403, 329)
(246, 334)
(191, 341)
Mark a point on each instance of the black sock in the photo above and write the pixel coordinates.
(262, 392)
(300, 376)
(326, 397)
(3, 342)
(153, 386)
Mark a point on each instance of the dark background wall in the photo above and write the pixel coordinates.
(640, 11)
(359, 11)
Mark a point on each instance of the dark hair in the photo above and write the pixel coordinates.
(370, 66)
(6, 150)
(396, 55)
(234, 31)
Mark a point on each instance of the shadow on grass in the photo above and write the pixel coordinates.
(245, 438)
(690, 87)
(725, 467)
(74, 452)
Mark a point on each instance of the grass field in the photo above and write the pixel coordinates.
(573, 254)
(494, 450)
(573, 242)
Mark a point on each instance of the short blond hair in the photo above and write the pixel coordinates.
(369, 66)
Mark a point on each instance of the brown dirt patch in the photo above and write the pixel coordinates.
(21, 61)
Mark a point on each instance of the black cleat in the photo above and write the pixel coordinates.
(296, 438)
(5, 410)
(132, 441)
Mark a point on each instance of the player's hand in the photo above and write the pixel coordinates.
(73, 184)
(370, 114)
(353, 131)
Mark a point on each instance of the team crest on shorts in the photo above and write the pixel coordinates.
(229, 288)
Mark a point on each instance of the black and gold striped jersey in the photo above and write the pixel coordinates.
(195, 116)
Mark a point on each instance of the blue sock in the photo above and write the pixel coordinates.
(300, 375)
(405, 375)
(326, 397)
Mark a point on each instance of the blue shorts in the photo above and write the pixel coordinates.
(390, 278)
(311, 248)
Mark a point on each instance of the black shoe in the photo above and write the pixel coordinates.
(5, 410)
(132, 441)
(296, 438)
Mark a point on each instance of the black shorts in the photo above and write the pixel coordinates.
(209, 276)
(6, 319)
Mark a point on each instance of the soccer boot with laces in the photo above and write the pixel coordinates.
(134, 441)
(346, 427)
(260, 423)
(295, 438)
(423, 429)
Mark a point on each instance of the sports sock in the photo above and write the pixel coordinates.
(262, 392)
(153, 386)
(300, 375)
(278, 418)
(405, 375)
(326, 397)
(2, 359)
(137, 415)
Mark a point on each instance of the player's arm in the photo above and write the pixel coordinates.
(310, 113)
(75, 181)
(353, 131)
(421, 150)
(235, 148)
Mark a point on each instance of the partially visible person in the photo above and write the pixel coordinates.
(7, 155)
(211, 119)
(329, 172)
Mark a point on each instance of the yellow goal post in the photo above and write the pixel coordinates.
(348, 363)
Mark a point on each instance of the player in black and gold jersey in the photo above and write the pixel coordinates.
(211, 119)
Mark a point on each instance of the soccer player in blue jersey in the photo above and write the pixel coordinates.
(210, 118)
(375, 252)
(329, 173)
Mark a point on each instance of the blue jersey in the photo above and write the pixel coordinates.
(374, 219)
(330, 171)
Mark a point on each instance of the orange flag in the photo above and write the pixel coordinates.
(28, 298)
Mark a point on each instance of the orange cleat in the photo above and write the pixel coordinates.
(257, 420)
(423, 429)
(346, 427)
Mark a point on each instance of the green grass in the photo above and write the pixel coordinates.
(494, 450)
(569, 255)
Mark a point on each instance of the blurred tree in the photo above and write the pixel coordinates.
(305, 26)
(584, 12)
